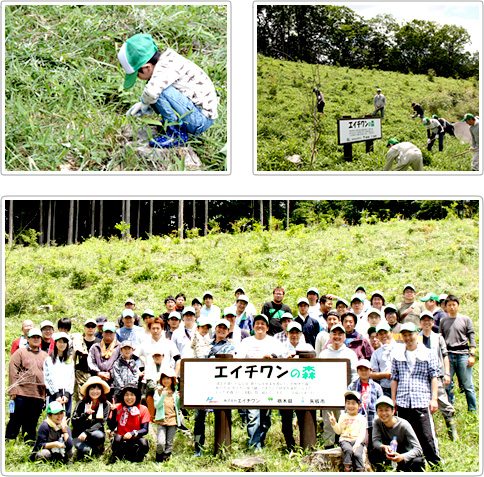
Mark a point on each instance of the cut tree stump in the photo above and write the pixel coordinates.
(250, 464)
(331, 460)
(159, 159)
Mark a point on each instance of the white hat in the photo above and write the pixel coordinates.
(46, 323)
(292, 325)
(243, 298)
(222, 321)
(314, 290)
(61, 334)
(189, 309)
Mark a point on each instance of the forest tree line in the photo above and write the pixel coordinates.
(336, 35)
(58, 222)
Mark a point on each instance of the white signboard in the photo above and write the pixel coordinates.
(264, 383)
(358, 130)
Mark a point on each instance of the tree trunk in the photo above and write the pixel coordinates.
(49, 223)
(70, 230)
(76, 233)
(10, 224)
(93, 217)
(180, 218)
(137, 224)
(261, 215)
(101, 212)
(287, 214)
(205, 227)
(151, 218)
(127, 211)
(194, 214)
(270, 212)
(53, 222)
(41, 224)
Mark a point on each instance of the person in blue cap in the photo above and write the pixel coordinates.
(176, 88)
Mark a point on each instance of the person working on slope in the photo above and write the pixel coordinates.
(320, 100)
(473, 122)
(379, 102)
(405, 155)
(176, 88)
(418, 111)
(434, 131)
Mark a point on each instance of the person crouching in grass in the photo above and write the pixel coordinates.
(54, 440)
(176, 88)
(352, 429)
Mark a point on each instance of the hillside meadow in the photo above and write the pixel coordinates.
(65, 104)
(285, 119)
(96, 277)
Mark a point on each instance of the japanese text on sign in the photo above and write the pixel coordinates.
(358, 130)
(246, 383)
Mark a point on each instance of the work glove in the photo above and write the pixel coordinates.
(140, 109)
(429, 141)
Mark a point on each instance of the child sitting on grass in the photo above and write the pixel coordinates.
(54, 440)
(167, 404)
(176, 88)
(352, 429)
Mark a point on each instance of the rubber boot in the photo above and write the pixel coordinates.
(166, 456)
(451, 430)
(175, 136)
(159, 457)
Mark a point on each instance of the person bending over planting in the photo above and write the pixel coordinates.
(176, 88)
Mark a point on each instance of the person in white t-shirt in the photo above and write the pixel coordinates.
(261, 345)
(210, 310)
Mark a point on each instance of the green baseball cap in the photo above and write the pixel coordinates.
(134, 53)
(467, 116)
(426, 121)
(392, 141)
(430, 296)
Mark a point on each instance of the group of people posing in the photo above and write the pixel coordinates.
(124, 373)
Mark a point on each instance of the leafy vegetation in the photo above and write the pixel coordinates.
(96, 276)
(336, 35)
(64, 97)
(286, 105)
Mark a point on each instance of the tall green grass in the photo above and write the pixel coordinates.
(64, 97)
(285, 102)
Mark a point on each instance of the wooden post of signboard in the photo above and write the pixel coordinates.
(307, 422)
(223, 430)
(369, 146)
(223, 424)
(347, 148)
(307, 430)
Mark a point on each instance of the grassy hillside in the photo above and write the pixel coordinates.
(65, 103)
(97, 276)
(285, 102)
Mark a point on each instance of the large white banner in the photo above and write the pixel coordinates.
(264, 383)
(358, 130)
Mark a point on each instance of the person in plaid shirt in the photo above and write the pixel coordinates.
(414, 384)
